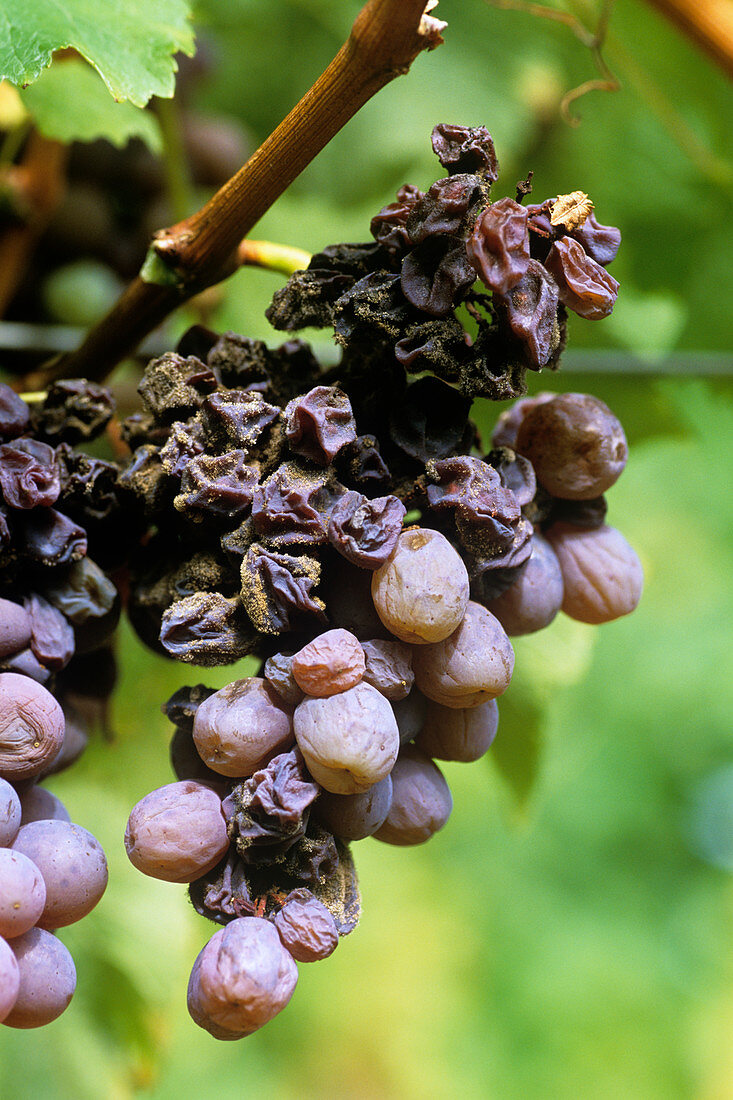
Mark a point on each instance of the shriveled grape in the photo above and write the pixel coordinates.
(421, 593)
(601, 572)
(241, 979)
(389, 668)
(239, 728)
(473, 665)
(306, 928)
(331, 663)
(349, 741)
(31, 727)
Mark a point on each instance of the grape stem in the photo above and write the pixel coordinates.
(203, 249)
(283, 258)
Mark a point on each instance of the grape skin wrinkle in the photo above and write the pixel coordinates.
(602, 574)
(473, 665)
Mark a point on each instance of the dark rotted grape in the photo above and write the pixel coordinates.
(170, 387)
(436, 274)
(516, 473)
(319, 424)
(216, 486)
(88, 485)
(14, 414)
(182, 706)
(374, 306)
(410, 715)
(389, 226)
(531, 310)
(305, 926)
(583, 285)
(474, 491)
(52, 636)
(73, 411)
(29, 476)
(147, 478)
(83, 593)
(498, 248)
(278, 671)
(443, 210)
(206, 629)
(292, 506)
(15, 628)
(581, 513)
(238, 417)
(360, 462)
(51, 538)
(431, 421)
(268, 813)
(185, 442)
(465, 149)
(600, 242)
(365, 531)
(276, 588)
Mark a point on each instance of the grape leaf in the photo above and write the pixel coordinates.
(129, 42)
(70, 103)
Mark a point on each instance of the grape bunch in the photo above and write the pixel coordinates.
(52, 871)
(346, 527)
(58, 609)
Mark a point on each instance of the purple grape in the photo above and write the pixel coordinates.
(38, 804)
(9, 979)
(22, 893)
(389, 667)
(473, 665)
(421, 800)
(10, 813)
(410, 715)
(177, 833)
(73, 866)
(306, 928)
(354, 816)
(452, 734)
(15, 628)
(241, 979)
(602, 575)
(47, 979)
(31, 727)
(238, 728)
(533, 601)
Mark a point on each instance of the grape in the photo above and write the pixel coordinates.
(410, 715)
(31, 726)
(22, 893)
(575, 444)
(10, 813)
(421, 593)
(601, 572)
(38, 804)
(9, 979)
(533, 601)
(331, 663)
(76, 739)
(355, 816)
(73, 866)
(510, 420)
(452, 734)
(187, 764)
(306, 928)
(241, 979)
(278, 672)
(177, 832)
(47, 979)
(15, 628)
(348, 596)
(237, 729)
(349, 741)
(473, 665)
(421, 800)
(389, 668)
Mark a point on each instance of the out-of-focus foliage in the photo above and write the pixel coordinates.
(69, 102)
(581, 947)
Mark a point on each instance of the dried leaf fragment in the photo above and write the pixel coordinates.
(571, 210)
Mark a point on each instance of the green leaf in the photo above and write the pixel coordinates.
(518, 746)
(129, 42)
(70, 103)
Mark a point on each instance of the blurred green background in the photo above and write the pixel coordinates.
(568, 933)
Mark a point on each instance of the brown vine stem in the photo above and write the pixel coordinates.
(385, 39)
